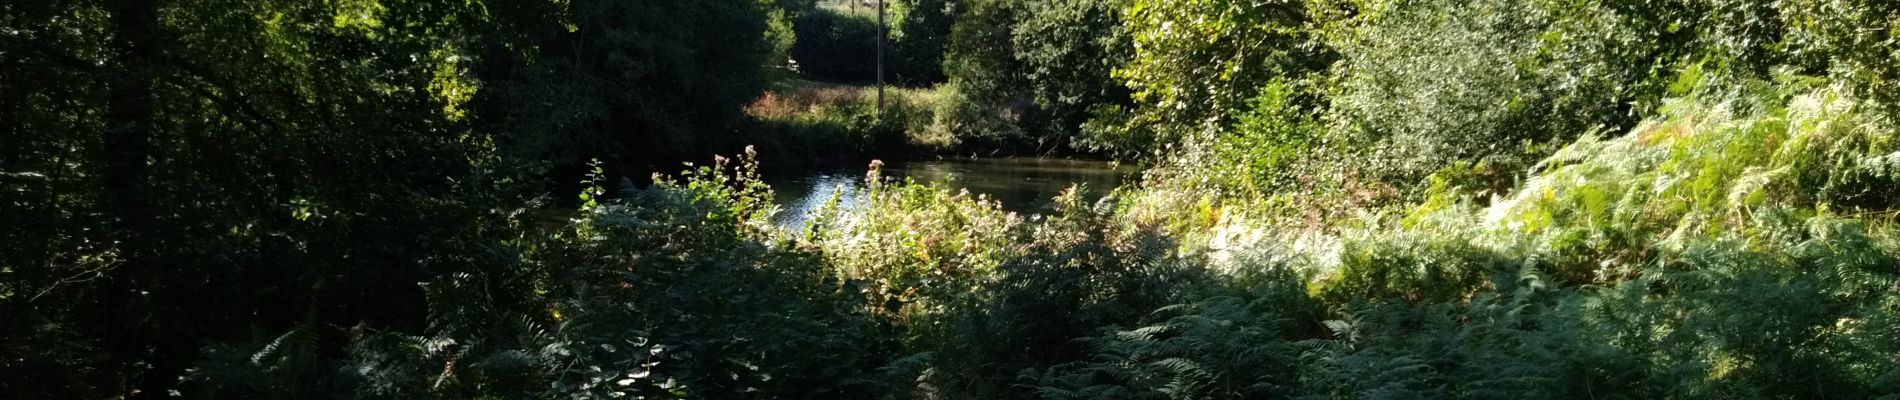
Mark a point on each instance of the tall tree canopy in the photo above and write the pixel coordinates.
(176, 173)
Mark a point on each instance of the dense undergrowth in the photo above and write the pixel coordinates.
(1739, 245)
(1346, 199)
(814, 122)
(1723, 249)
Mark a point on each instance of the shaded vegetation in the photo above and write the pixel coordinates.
(815, 122)
(1344, 199)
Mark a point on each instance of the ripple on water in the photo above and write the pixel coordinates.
(1024, 185)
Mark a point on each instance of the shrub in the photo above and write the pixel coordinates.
(1849, 37)
(836, 47)
(920, 32)
(984, 294)
(1748, 164)
(1197, 63)
(1682, 260)
(1068, 50)
(582, 87)
(1427, 83)
(678, 290)
(834, 123)
(984, 101)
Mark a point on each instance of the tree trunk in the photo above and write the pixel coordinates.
(129, 114)
(880, 58)
(135, 334)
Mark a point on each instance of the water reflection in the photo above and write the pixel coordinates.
(1023, 185)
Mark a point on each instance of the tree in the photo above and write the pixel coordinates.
(920, 34)
(206, 204)
(1197, 63)
(1069, 50)
(985, 96)
(604, 78)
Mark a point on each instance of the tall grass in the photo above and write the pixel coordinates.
(828, 122)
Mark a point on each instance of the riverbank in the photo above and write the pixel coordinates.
(1024, 185)
(806, 122)
(801, 122)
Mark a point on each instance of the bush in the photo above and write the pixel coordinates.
(195, 240)
(584, 83)
(985, 294)
(985, 100)
(920, 32)
(1219, 347)
(836, 47)
(1426, 83)
(1846, 35)
(1682, 260)
(678, 290)
(828, 123)
(1068, 50)
(1747, 164)
(1197, 63)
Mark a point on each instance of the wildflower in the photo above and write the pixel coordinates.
(871, 176)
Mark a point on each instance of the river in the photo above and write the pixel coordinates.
(1021, 184)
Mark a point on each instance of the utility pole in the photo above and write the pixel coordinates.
(880, 57)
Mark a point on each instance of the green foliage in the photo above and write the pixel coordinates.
(1197, 63)
(984, 100)
(840, 46)
(1709, 167)
(1849, 36)
(1728, 282)
(1078, 271)
(921, 257)
(251, 186)
(781, 34)
(826, 123)
(1714, 321)
(676, 290)
(667, 299)
(983, 294)
(1068, 50)
(1721, 237)
(159, 194)
(1428, 82)
(1432, 265)
(920, 34)
(1423, 83)
(581, 82)
(1222, 347)
(1706, 207)
(836, 47)
(1266, 152)
(1472, 94)
(916, 244)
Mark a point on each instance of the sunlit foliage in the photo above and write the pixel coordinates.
(1346, 199)
(1196, 64)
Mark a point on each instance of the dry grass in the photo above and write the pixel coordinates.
(806, 98)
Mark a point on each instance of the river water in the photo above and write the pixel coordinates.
(1023, 184)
